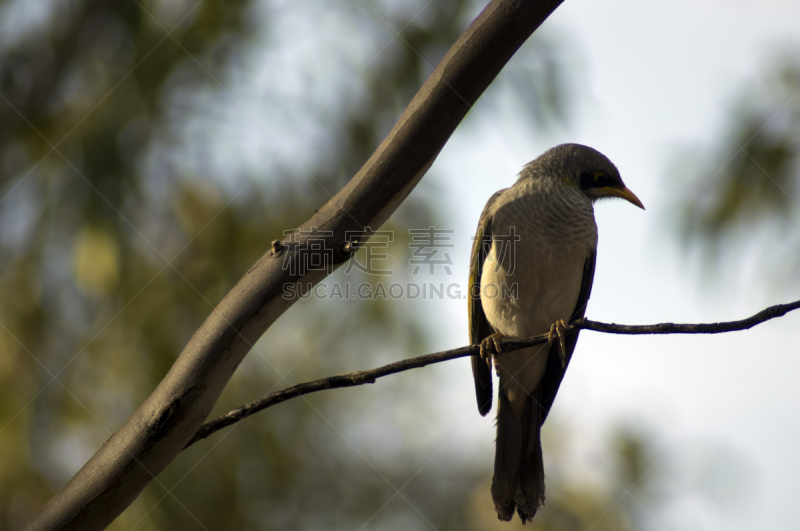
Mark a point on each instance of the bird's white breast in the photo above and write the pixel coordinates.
(532, 276)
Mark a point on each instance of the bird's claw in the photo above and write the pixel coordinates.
(491, 348)
(559, 329)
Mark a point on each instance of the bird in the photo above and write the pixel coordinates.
(531, 272)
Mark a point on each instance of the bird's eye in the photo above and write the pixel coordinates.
(601, 180)
(594, 180)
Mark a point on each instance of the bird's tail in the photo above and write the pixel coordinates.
(518, 481)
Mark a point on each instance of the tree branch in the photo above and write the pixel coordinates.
(352, 379)
(170, 417)
(779, 310)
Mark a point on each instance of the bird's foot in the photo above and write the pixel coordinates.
(491, 347)
(558, 329)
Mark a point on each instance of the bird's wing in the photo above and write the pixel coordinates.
(554, 372)
(479, 327)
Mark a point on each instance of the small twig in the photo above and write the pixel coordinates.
(351, 379)
(779, 310)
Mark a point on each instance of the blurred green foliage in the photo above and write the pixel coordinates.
(746, 187)
(130, 204)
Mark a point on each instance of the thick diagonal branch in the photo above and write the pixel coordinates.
(351, 379)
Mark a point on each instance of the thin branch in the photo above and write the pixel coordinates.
(779, 310)
(351, 379)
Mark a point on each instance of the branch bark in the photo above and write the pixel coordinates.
(352, 379)
(170, 417)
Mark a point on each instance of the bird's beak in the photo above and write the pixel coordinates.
(625, 194)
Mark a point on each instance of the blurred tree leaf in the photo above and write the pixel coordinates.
(747, 187)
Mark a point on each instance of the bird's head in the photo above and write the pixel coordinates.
(588, 170)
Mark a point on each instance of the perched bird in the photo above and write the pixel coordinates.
(531, 273)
